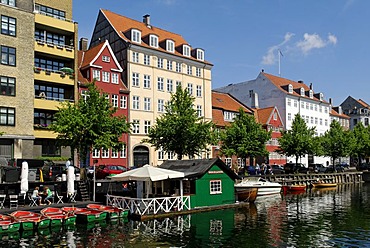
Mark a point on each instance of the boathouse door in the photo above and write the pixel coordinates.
(141, 156)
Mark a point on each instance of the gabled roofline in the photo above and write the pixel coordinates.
(106, 44)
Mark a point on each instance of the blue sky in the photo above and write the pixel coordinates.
(325, 43)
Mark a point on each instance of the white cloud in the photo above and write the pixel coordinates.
(167, 2)
(314, 41)
(270, 56)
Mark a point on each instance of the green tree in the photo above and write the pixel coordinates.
(90, 123)
(361, 145)
(179, 129)
(335, 142)
(244, 137)
(299, 140)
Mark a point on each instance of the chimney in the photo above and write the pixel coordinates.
(310, 86)
(254, 100)
(300, 81)
(83, 44)
(146, 20)
(330, 101)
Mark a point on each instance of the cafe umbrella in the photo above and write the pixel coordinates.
(67, 70)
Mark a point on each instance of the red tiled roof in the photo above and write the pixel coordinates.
(280, 82)
(123, 25)
(363, 103)
(218, 118)
(264, 114)
(90, 54)
(335, 113)
(225, 101)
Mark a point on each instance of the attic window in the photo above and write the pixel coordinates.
(170, 46)
(321, 96)
(311, 94)
(136, 35)
(302, 91)
(186, 50)
(105, 58)
(200, 54)
(153, 41)
(290, 88)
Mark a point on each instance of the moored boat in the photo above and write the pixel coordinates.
(294, 188)
(58, 217)
(8, 224)
(30, 220)
(112, 212)
(86, 215)
(323, 185)
(264, 187)
(246, 194)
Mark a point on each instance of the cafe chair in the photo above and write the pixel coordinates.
(33, 201)
(73, 196)
(2, 200)
(59, 198)
(13, 201)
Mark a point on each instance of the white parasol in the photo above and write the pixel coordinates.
(71, 180)
(24, 177)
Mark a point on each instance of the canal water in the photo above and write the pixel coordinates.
(338, 217)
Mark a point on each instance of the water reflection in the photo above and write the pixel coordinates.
(316, 218)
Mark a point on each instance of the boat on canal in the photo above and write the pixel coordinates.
(30, 220)
(8, 224)
(294, 188)
(85, 215)
(58, 217)
(112, 212)
(323, 185)
(246, 194)
(264, 187)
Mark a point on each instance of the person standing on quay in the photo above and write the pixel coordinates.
(68, 163)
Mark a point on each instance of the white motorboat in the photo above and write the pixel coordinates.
(264, 187)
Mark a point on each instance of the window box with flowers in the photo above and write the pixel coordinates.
(37, 69)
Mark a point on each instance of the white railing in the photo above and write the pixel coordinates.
(146, 206)
(51, 44)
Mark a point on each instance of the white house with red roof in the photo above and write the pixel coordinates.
(290, 98)
(154, 62)
(99, 63)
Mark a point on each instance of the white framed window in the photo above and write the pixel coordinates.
(290, 88)
(153, 40)
(190, 70)
(160, 63)
(178, 67)
(84, 94)
(106, 77)
(289, 116)
(160, 154)
(178, 84)
(307, 105)
(302, 105)
(123, 152)
(228, 161)
(302, 92)
(199, 110)
(316, 120)
(169, 85)
(229, 116)
(275, 116)
(147, 104)
(315, 107)
(190, 89)
(96, 153)
(198, 72)
(311, 94)
(146, 59)
(135, 57)
(105, 58)
(123, 102)
(136, 126)
(160, 105)
(186, 50)
(241, 162)
(215, 187)
(295, 103)
(115, 100)
(135, 79)
(135, 102)
(114, 154)
(200, 54)
(96, 75)
(146, 127)
(106, 96)
(170, 46)
(320, 109)
(105, 153)
(289, 102)
(199, 90)
(169, 65)
(160, 84)
(8, 2)
(136, 35)
(170, 155)
(114, 78)
(325, 110)
(326, 122)
(311, 119)
(146, 81)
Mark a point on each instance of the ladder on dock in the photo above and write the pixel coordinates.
(82, 186)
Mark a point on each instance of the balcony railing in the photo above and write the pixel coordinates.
(43, 96)
(51, 15)
(51, 44)
(48, 71)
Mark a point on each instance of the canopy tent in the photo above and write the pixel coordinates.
(24, 177)
(149, 174)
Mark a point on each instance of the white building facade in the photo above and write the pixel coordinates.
(290, 98)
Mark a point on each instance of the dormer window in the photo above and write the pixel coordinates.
(311, 94)
(186, 50)
(136, 36)
(290, 88)
(200, 54)
(302, 92)
(153, 41)
(321, 96)
(170, 46)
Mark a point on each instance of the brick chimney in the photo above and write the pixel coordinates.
(83, 44)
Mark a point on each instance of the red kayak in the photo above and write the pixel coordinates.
(29, 219)
(58, 216)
